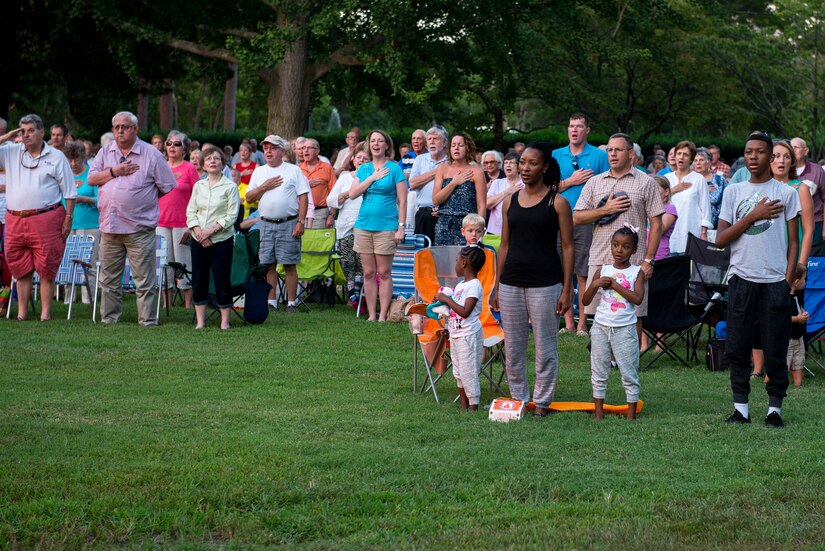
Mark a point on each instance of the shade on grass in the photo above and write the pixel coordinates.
(305, 432)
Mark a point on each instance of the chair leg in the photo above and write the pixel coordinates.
(97, 287)
(11, 298)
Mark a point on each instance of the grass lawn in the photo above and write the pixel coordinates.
(304, 432)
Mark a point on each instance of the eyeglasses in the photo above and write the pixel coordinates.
(174, 144)
(35, 165)
(122, 159)
(119, 127)
(352, 137)
(617, 149)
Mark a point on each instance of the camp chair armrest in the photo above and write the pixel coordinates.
(88, 265)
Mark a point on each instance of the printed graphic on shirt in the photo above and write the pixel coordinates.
(612, 299)
(745, 206)
(459, 295)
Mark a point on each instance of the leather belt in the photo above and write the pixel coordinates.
(33, 212)
(279, 220)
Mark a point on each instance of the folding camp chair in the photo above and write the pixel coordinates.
(668, 312)
(74, 270)
(492, 239)
(320, 267)
(244, 261)
(493, 334)
(815, 305)
(403, 281)
(434, 268)
(708, 285)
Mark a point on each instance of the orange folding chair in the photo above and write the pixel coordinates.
(435, 268)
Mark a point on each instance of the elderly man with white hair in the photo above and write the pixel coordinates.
(422, 177)
(132, 176)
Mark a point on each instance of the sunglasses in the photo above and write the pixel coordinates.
(575, 163)
(174, 144)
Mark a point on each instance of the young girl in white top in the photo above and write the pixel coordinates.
(621, 288)
(466, 333)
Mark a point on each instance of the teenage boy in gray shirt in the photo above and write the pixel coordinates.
(764, 249)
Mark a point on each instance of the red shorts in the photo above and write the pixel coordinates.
(35, 243)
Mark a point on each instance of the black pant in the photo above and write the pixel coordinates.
(218, 259)
(764, 307)
(425, 222)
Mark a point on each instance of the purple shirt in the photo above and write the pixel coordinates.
(129, 204)
(664, 243)
(815, 174)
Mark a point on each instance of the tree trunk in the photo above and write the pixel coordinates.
(199, 110)
(498, 129)
(290, 88)
(166, 106)
(230, 99)
(143, 104)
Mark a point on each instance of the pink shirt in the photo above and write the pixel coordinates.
(173, 204)
(129, 204)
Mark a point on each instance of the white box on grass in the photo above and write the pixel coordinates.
(506, 410)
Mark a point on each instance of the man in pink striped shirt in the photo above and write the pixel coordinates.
(132, 175)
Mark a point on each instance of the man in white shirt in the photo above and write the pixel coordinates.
(281, 190)
(346, 153)
(38, 179)
(422, 177)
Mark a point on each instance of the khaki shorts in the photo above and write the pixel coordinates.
(796, 354)
(590, 309)
(374, 242)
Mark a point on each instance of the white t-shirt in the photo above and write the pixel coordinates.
(458, 326)
(282, 201)
(760, 254)
(693, 206)
(349, 212)
(614, 310)
(497, 186)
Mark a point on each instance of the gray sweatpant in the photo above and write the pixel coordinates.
(520, 307)
(623, 342)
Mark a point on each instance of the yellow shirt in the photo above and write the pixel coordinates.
(210, 205)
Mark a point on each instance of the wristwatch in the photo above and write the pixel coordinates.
(650, 261)
(401, 224)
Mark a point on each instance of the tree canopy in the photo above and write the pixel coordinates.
(642, 66)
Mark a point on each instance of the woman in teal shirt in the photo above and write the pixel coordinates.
(86, 220)
(380, 223)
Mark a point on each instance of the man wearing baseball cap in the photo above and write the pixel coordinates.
(281, 190)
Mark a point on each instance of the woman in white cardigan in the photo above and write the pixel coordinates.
(346, 211)
(689, 194)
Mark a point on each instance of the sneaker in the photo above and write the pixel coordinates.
(273, 306)
(738, 419)
(774, 420)
(291, 310)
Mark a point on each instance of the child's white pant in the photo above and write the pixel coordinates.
(623, 342)
(466, 353)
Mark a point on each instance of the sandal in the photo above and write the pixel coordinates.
(755, 374)
(581, 333)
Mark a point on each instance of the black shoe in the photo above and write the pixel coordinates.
(774, 420)
(738, 418)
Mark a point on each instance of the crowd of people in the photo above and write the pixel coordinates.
(593, 217)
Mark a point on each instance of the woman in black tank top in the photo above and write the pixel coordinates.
(534, 286)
